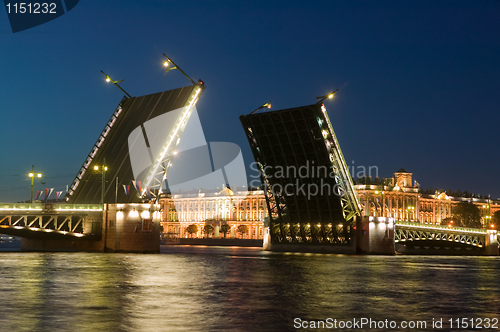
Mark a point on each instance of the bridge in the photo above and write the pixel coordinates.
(111, 204)
(137, 146)
(127, 227)
(51, 221)
(428, 238)
(326, 215)
(83, 224)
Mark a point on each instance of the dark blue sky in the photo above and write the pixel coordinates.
(419, 80)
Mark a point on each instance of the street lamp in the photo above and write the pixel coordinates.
(329, 96)
(169, 62)
(487, 221)
(32, 175)
(410, 209)
(266, 105)
(382, 199)
(102, 169)
(108, 79)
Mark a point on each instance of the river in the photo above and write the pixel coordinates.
(240, 289)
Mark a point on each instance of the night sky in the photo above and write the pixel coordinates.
(419, 81)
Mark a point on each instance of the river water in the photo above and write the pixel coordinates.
(239, 289)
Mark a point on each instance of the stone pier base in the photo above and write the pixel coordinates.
(375, 235)
(124, 228)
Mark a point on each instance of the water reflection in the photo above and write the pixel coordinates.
(236, 289)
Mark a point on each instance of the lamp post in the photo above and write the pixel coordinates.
(102, 170)
(410, 209)
(32, 176)
(266, 105)
(108, 79)
(488, 217)
(381, 200)
(329, 96)
(487, 221)
(169, 62)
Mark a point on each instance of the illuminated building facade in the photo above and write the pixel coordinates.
(401, 199)
(397, 198)
(227, 207)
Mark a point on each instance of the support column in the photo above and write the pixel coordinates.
(375, 235)
(491, 243)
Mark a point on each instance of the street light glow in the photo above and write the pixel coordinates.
(329, 96)
(166, 63)
(96, 168)
(266, 105)
(32, 176)
(108, 79)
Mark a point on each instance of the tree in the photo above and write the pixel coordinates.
(242, 229)
(224, 229)
(468, 215)
(192, 229)
(451, 222)
(208, 229)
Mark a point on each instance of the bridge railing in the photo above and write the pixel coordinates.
(56, 207)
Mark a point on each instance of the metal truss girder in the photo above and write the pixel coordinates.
(349, 195)
(405, 235)
(314, 234)
(18, 220)
(78, 223)
(67, 219)
(73, 223)
(48, 222)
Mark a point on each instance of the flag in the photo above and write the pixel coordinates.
(58, 194)
(127, 189)
(47, 193)
(38, 194)
(417, 184)
(137, 186)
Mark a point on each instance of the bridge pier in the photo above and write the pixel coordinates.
(375, 235)
(132, 228)
(118, 228)
(491, 243)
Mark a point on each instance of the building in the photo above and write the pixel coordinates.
(402, 199)
(226, 207)
(396, 197)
